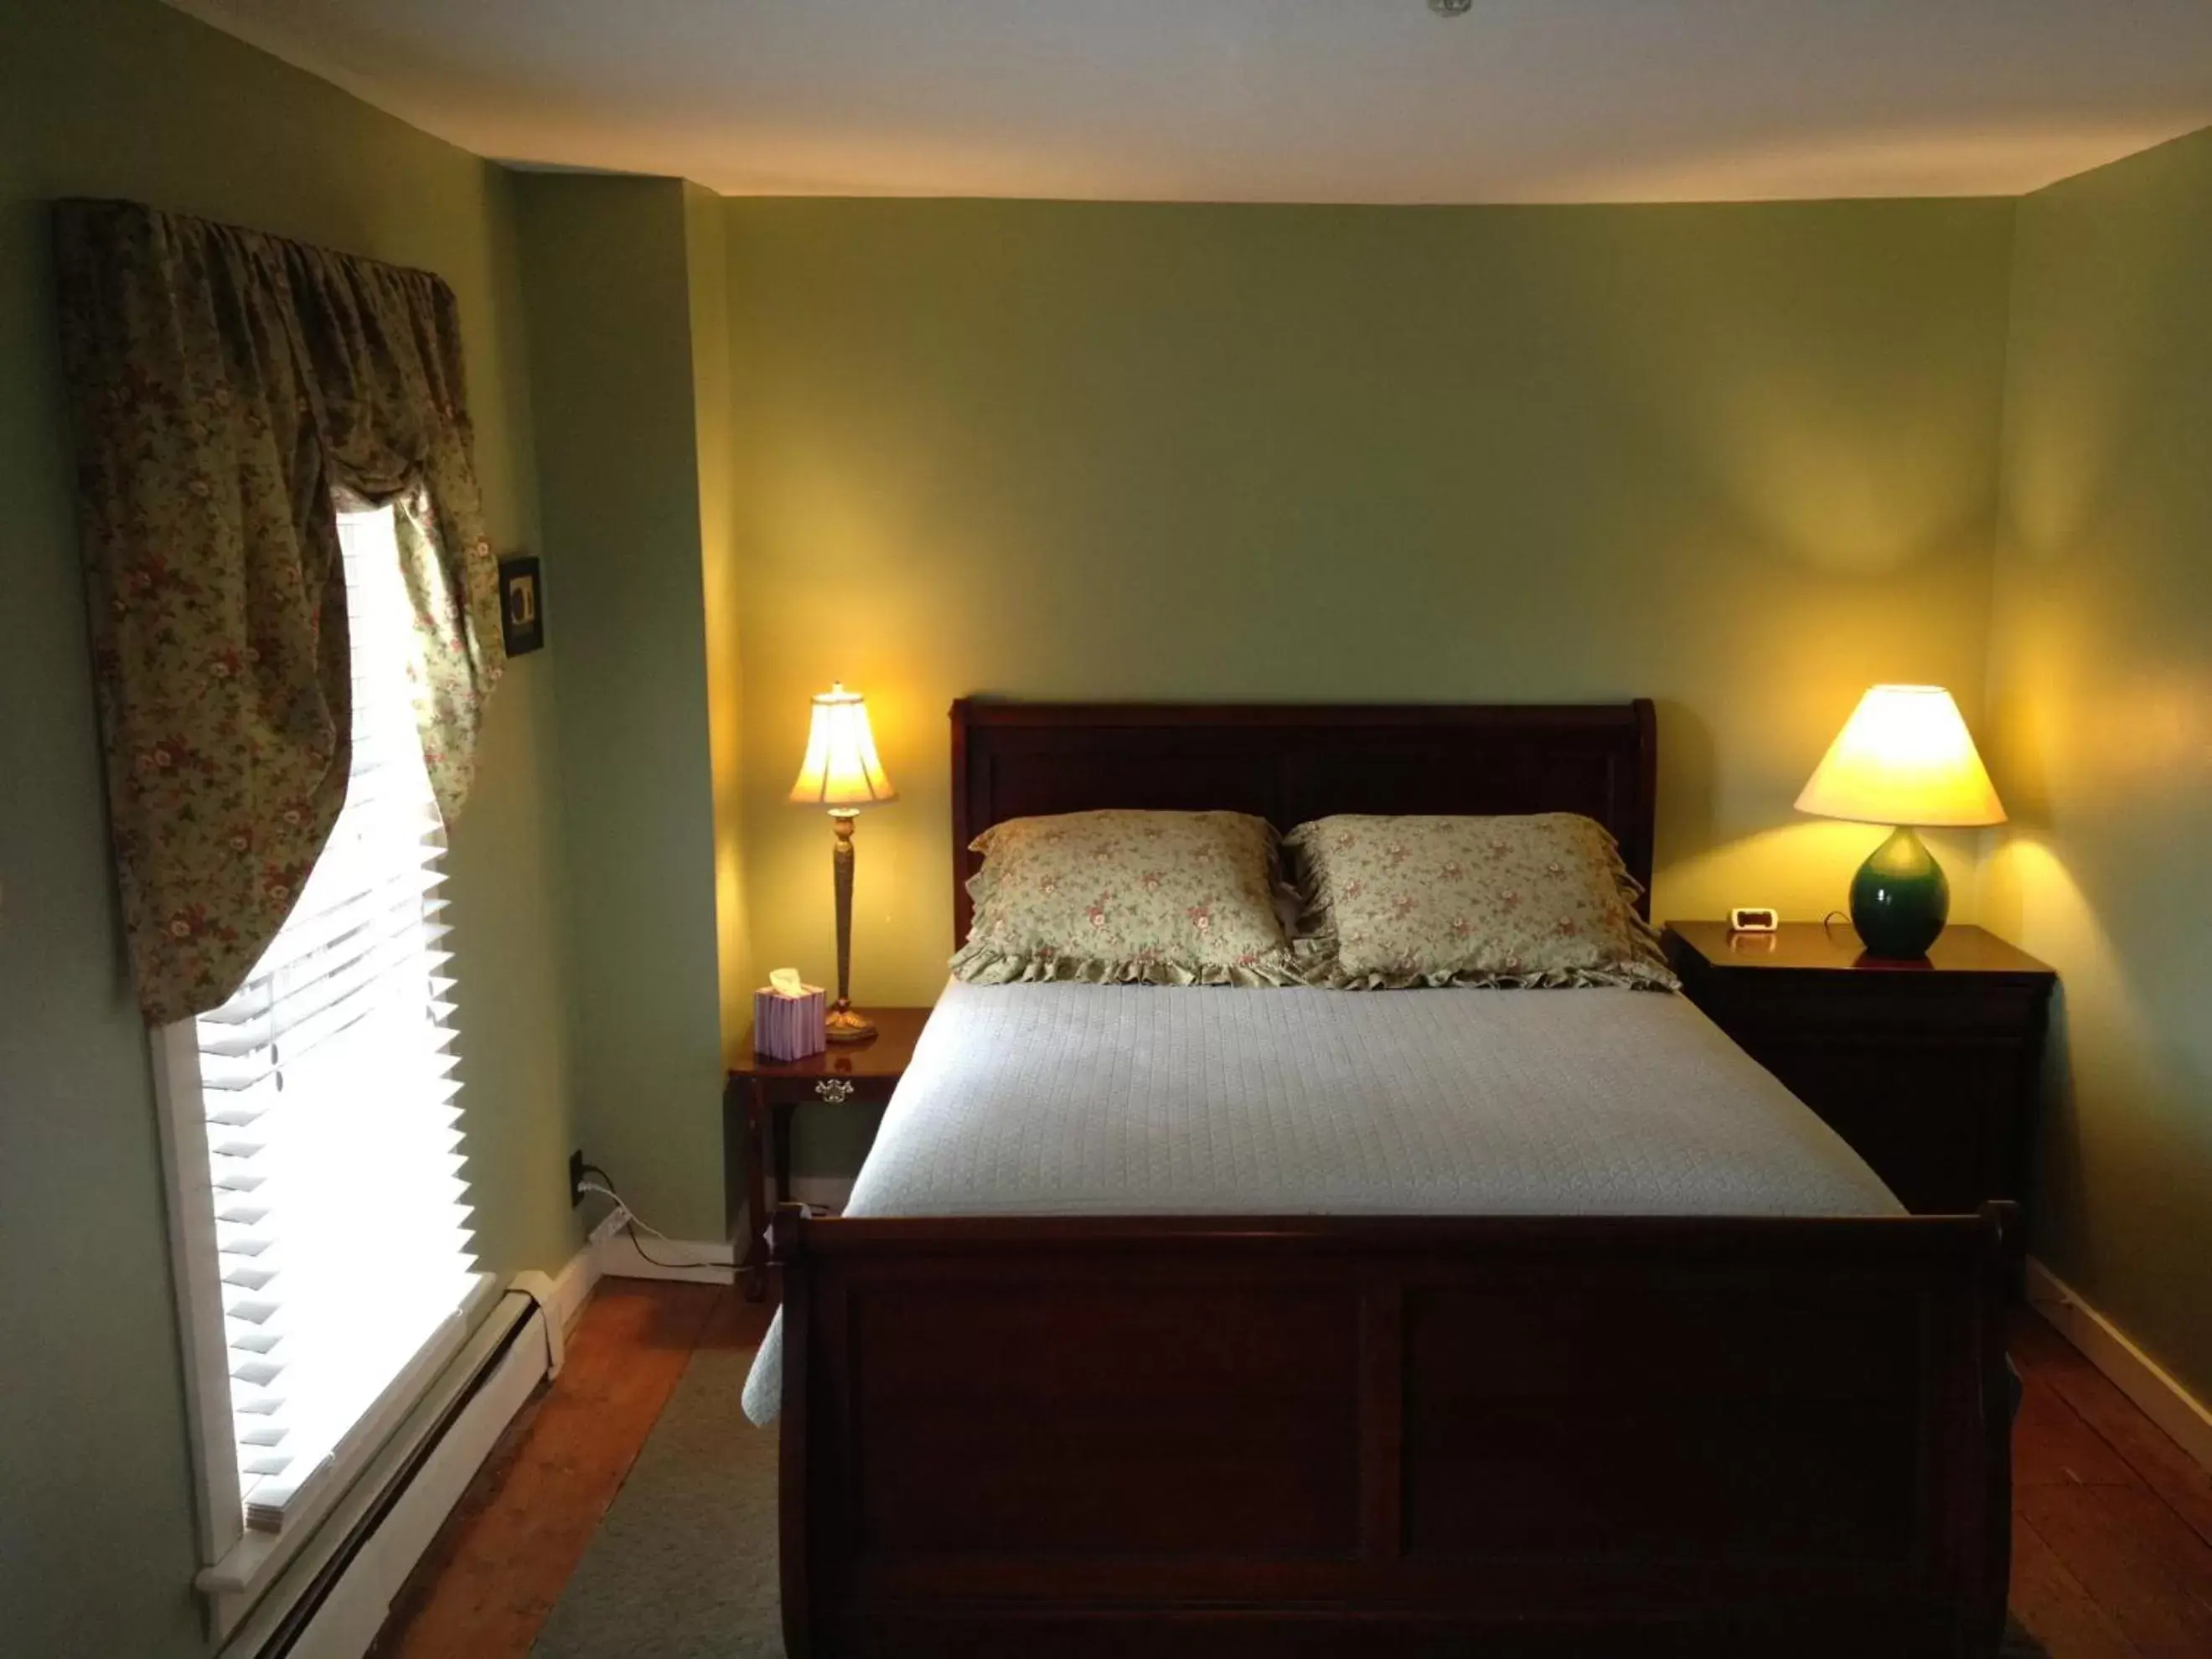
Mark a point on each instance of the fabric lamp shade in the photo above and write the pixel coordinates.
(841, 770)
(1903, 757)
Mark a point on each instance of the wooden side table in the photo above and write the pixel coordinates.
(763, 1093)
(1930, 1069)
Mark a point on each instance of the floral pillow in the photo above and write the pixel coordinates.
(1543, 900)
(1160, 898)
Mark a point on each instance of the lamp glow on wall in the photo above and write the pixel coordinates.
(841, 773)
(1905, 757)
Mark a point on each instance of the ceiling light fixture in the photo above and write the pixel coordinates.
(1450, 8)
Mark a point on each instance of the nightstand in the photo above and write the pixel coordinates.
(762, 1095)
(1930, 1069)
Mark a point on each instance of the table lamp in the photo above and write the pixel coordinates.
(841, 773)
(1903, 758)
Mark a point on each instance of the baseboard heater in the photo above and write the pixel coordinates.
(332, 1602)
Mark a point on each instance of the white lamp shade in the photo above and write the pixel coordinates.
(1904, 756)
(841, 769)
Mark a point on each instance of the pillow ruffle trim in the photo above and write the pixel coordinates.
(1634, 974)
(979, 963)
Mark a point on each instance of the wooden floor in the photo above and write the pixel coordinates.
(2111, 1521)
(497, 1566)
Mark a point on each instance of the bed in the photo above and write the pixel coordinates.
(1285, 1322)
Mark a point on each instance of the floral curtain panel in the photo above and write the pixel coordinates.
(225, 384)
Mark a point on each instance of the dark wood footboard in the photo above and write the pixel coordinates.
(1167, 1437)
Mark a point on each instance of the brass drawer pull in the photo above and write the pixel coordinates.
(834, 1090)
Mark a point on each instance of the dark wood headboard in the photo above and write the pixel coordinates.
(1289, 762)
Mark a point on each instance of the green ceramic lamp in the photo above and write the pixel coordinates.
(1905, 758)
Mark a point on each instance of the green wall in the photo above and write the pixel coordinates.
(2100, 693)
(129, 98)
(705, 230)
(1742, 460)
(615, 396)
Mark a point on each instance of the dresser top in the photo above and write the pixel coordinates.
(1810, 946)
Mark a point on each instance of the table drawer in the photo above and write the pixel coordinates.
(828, 1090)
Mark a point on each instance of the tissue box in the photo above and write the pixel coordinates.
(789, 1028)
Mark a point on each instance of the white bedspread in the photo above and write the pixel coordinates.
(1067, 1099)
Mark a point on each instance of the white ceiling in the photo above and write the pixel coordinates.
(1322, 100)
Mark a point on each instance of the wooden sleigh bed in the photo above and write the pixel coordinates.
(1061, 1437)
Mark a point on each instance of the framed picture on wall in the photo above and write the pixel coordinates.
(522, 605)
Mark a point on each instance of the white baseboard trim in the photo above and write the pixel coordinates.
(823, 1192)
(572, 1288)
(695, 1261)
(2136, 1375)
(562, 1295)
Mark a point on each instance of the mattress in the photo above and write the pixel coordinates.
(1071, 1099)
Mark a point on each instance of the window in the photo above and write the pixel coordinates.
(320, 1210)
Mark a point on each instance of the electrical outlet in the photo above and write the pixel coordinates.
(576, 1177)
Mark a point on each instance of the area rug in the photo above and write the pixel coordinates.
(684, 1565)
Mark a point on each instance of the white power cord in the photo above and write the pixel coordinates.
(629, 1220)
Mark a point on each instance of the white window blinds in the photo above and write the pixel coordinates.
(339, 1210)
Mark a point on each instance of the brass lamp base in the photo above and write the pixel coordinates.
(844, 1023)
(841, 1024)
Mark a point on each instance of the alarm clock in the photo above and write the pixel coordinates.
(1753, 919)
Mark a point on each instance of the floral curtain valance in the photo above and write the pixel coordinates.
(225, 383)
